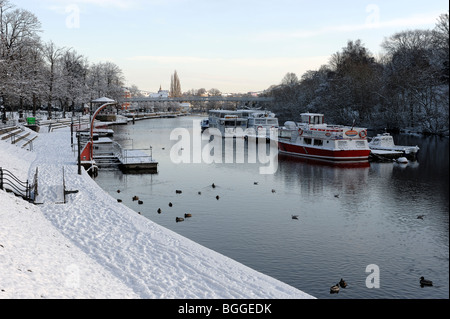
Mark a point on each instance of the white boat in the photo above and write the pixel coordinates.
(260, 123)
(385, 142)
(242, 123)
(227, 123)
(312, 138)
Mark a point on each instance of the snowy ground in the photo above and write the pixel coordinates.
(95, 247)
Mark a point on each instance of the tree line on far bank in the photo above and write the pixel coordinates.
(406, 88)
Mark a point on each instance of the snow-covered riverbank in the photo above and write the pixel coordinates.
(95, 247)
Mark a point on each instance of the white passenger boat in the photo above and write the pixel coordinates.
(242, 123)
(227, 123)
(312, 138)
(260, 123)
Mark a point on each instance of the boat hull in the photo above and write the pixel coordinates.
(348, 155)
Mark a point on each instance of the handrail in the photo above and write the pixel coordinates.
(21, 138)
(18, 187)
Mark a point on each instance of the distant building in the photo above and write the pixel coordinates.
(126, 95)
(164, 94)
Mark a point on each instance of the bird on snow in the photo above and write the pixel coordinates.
(294, 216)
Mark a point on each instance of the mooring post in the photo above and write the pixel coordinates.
(71, 132)
(79, 153)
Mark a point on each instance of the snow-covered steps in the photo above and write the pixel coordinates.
(9, 132)
(20, 136)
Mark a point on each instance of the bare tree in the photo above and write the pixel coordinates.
(18, 32)
(51, 55)
(290, 79)
(175, 86)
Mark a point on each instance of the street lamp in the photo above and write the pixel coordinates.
(87, 152)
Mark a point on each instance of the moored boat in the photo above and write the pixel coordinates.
(241, 123)
(260, 123)
(385, 142)
(313, 138)
(226, 123)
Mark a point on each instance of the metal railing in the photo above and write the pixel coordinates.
(9, 182)
(16, 137)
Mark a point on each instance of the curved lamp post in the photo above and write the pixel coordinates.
(87, 153)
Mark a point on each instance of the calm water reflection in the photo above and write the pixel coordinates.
(349, 217)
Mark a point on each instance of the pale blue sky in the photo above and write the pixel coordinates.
(234, 46)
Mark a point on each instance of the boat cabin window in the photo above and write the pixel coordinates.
(318, 142)
(360, 144)
(307, 140)
(312, 118)
(342, 144)
(315, 120)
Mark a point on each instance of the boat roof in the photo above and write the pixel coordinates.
(312, 114)
(223, 111)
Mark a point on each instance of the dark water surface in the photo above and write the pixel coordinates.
(354, 222)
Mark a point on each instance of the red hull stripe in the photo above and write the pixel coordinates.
(337, 155)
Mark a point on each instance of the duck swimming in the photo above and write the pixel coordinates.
(342, 283)
(425, 282)
(334, 289)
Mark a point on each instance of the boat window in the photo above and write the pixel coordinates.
(360, 144)
(318, 142)
(342, 144)
(307, 140)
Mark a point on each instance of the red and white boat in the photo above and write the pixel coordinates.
(312, 138)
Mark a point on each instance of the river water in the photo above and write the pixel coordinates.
(358, 223)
